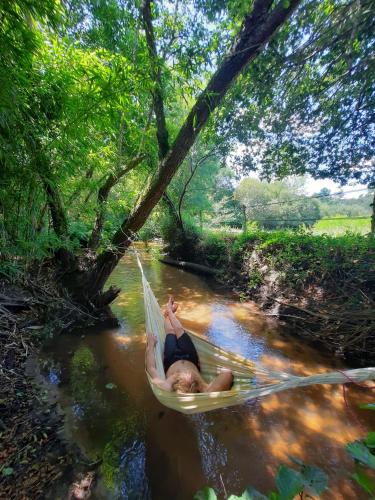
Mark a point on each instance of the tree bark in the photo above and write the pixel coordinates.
(59, 221)
(258, 28)
(173, 211)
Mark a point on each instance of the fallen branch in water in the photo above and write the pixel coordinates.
(190, 266)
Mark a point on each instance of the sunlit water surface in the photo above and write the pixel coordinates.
(149, 451)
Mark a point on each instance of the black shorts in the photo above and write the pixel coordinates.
(176, 349)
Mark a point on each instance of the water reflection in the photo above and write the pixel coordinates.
(229, 334)
(149, 451)
(124, 461)
(213, 454)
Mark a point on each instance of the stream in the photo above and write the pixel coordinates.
(149, 451)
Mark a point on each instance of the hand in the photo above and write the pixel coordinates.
(152, 340)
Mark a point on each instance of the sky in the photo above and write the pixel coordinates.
(314, 186)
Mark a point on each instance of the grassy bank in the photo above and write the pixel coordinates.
(322, 285)
(342, 225)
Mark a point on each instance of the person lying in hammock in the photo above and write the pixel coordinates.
(181, 361)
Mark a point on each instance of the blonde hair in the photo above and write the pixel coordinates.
(185, 383)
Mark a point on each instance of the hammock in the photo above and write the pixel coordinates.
(251, 380)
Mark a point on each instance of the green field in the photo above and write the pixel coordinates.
(341, 226)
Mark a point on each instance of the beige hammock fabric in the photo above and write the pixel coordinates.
(250, 379)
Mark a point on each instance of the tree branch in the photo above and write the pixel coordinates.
(103, 193)
(172, 210)
(193, 169)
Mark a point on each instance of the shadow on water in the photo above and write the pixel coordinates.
(149, 451)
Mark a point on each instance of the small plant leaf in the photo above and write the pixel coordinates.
(364, 481)
(289, 482)
(360, 452)
(369, 406)
(273, 496)
(316, 481)
(110, 386)
(7, 471)
(249, 494)
(370, 440)
(205, 494)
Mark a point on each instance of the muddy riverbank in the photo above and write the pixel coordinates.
(36, 458)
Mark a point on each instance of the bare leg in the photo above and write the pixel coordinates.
(168, 325)
(177, 327)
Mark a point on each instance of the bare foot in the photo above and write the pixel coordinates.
(172, 305)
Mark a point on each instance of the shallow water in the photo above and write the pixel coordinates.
(149, 451)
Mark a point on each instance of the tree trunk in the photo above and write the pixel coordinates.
(257, 29)
(244, 219)
(373, 216)
(173, 212)
(59, 221)
(157, 94)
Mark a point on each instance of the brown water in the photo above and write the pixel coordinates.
(149, 451)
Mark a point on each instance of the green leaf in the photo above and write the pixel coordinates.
(205, 494)
(316, 481)
(286, 4)
(370, 440)
(7, 471)
(361, 453)
(364, 481)
(110, 386)
(369, 406)
(273, 496)
(289, 482)
(249, 494)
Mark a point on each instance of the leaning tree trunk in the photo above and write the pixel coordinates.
(258, 28)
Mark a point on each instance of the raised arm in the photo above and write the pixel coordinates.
(151, 365)
(150, 356)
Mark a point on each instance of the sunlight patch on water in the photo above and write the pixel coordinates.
(225, 332)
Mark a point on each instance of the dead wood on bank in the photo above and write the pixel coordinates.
(34, 456)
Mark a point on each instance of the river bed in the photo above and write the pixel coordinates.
(149, 451)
